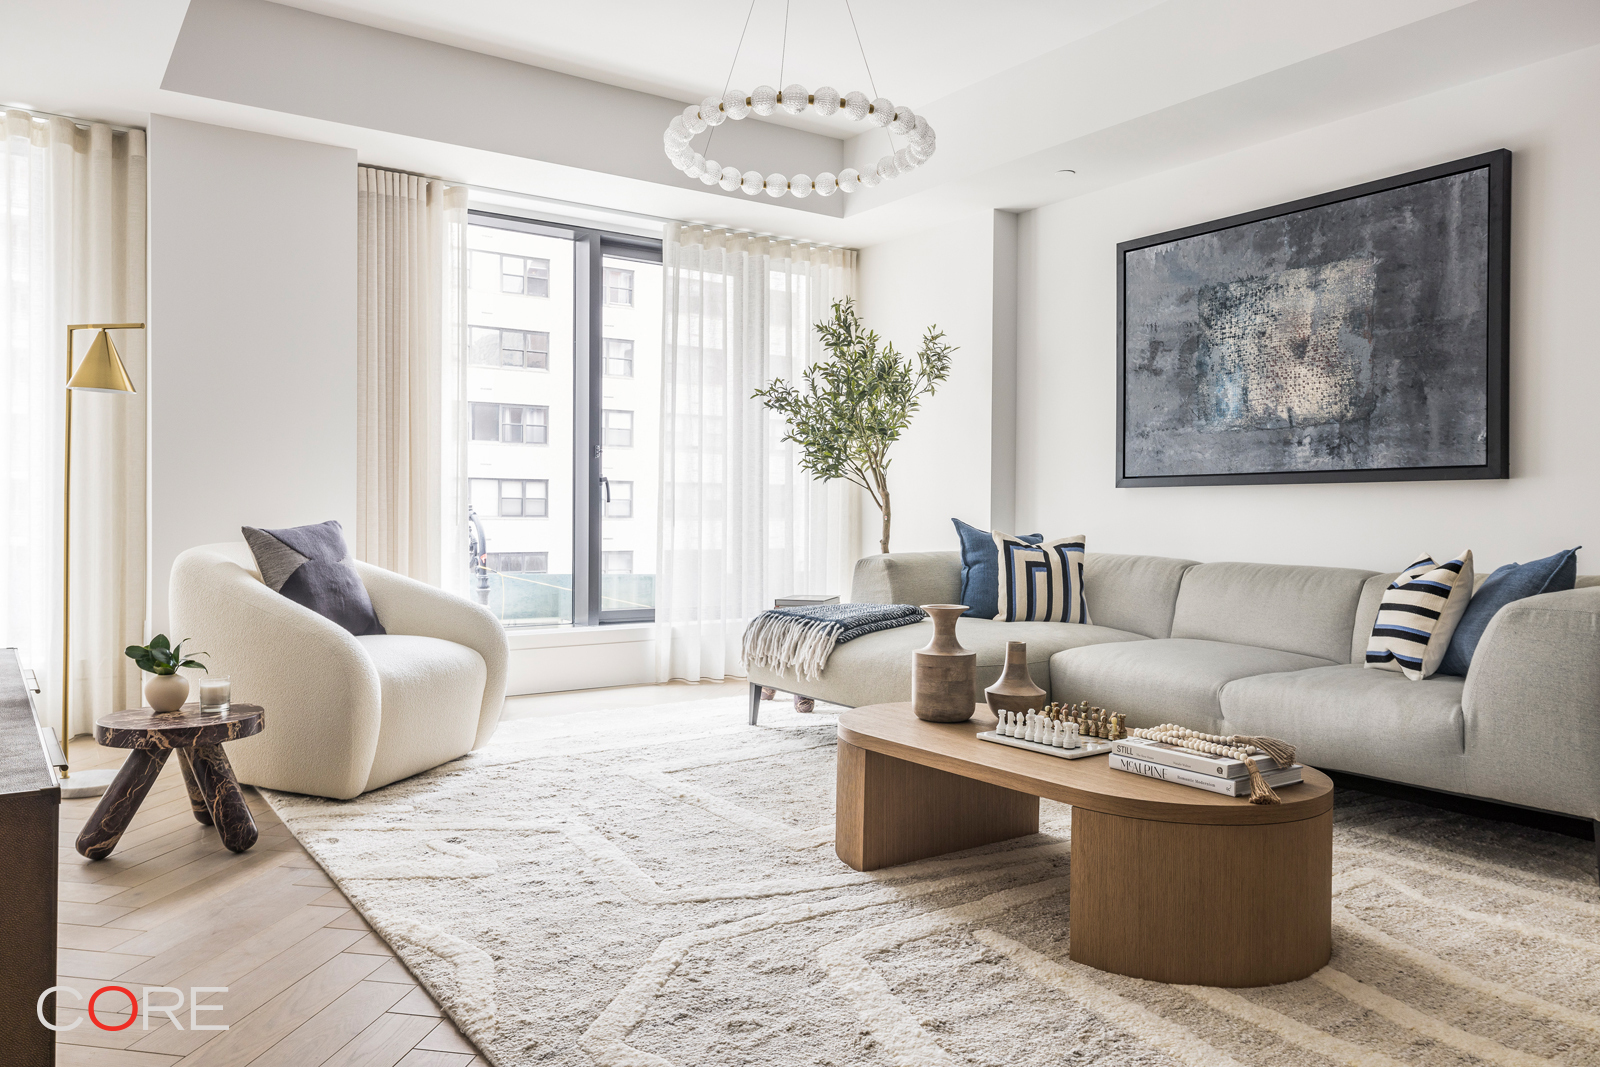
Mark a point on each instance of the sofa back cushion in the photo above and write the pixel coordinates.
(907, 578)
(1133, 593)
(1309, 610)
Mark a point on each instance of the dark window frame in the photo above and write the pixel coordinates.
(590, 250)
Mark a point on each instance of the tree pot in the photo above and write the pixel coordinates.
(1015, 690)
(944, 678)
(166, 692)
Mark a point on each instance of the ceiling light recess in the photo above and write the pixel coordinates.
(764, 100)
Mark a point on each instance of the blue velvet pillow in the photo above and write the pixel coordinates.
(980, 570)
(1512, 582)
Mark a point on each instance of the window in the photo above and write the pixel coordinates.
(620, 504)
(538, 520)
(616, 429)
(493, 347)
(521, 498)
(520, 562)
(514, 424)
(525, 275)
(618, 358)
(619, 287)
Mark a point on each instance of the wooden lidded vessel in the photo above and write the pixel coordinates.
(944, 676)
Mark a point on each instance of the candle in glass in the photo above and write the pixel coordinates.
(214, 695)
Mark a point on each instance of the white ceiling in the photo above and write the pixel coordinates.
(919, 50)
(1018, 89)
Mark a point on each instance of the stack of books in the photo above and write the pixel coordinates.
(1216, 774)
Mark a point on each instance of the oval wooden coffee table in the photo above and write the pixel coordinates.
(1168, 883)
(214, 794)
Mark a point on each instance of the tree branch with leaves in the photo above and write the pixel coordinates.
(855, 402)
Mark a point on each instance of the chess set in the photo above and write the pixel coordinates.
(1070, 732)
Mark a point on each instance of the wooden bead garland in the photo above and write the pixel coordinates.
(1234, 746)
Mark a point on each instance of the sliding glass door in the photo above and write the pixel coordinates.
(563, 394)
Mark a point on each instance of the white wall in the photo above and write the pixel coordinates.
(252, 337)
(1067, 347)
(956, 458)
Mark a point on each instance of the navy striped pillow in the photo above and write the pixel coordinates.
(1041, 583)
(1419, 612)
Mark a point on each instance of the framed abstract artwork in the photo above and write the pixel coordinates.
(1356, 336)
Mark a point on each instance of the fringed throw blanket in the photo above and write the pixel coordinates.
(803, 638)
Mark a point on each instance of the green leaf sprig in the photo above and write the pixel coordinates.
(160, 657)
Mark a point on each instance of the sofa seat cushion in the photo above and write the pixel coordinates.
(876, 669)
(1175, 680)
(1344, 718)
(420, 677)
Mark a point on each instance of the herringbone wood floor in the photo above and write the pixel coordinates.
(309, 985)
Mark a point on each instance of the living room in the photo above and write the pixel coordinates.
(849, 533)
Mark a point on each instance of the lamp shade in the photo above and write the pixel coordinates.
(102, 370)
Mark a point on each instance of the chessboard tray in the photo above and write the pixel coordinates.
(1086, 747)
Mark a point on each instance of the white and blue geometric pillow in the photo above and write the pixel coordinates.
(1418, 614)
(1041, 583)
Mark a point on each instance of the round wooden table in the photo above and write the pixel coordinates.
(1168, 883)
(214, 794)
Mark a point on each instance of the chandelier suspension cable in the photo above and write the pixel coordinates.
(871, 81)
(826, 101)
(731, 67)
(783, 54)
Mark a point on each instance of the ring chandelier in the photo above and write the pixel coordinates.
(764, 100)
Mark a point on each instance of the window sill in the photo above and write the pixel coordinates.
(572, 636)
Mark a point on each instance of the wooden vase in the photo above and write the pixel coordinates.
(1015, 690)
(944, 675)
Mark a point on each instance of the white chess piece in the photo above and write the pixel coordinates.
(1072, 735)
(1033, 728)
(1008, 725)
(1057, 738)
(1002, 720)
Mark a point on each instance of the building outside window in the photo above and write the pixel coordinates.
(616, 429)
(616, 563)
(525, 275)
(519, 562)
(618, 358)
(620, 505)
(493, 347)
(519, 498)
(512, 424)
(619, 287)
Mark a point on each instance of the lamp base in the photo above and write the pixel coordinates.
(86, 784)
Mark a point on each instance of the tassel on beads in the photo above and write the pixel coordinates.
(1236, 746)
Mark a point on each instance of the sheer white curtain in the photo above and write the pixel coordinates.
(405, 419)
(72, 249)
(740, 522)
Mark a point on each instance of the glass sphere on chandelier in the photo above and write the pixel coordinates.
(713, 111)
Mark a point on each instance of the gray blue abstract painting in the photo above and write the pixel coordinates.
(1351, 336)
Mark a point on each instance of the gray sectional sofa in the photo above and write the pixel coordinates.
(1257, 648)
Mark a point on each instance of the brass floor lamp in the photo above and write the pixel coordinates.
(102, 372)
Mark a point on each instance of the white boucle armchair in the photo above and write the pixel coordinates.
(344, 714)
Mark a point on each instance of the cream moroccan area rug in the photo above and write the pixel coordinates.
(658, 886)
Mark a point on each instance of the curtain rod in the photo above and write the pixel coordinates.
(610, 210)
(73, 119)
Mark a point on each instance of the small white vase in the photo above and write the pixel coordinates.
(166, 692)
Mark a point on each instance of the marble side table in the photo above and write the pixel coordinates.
(214, 794)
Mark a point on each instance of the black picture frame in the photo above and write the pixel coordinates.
(1497, 380)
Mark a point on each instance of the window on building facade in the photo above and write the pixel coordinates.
(493, 347)
(519, 562)
(618, 358)
(616, 428)
(524, 498)
(525, 275)
(619, 287)
(512, 424)
(620, 505)
(616, 562)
